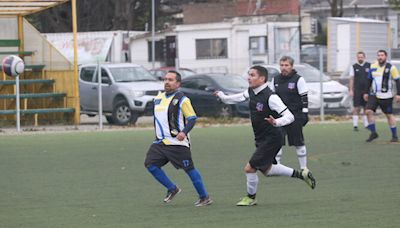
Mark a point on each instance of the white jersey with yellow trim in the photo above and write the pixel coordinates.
(376, 74)
(162, 127)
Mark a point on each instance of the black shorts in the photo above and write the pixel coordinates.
(160, 154)
(386, 105)
(265, 154)
(358, 99)
(294, 133)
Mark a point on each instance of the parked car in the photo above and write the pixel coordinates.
(336, 97)
(159, 73)
(128, 91)
(199, 88)
(310, 54)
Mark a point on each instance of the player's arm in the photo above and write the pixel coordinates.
(232, 99)
(303, 92)
(369, 84)
(351, 81)
(277, 105)
(190, 116)
(271, 85)
(396, 77)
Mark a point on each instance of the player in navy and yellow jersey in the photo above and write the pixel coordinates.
(383, 77)
(174, 117)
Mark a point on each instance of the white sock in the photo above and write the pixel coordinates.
(355, 120)
(365, 120)
(302, 156)
(280, 170)
(278, 157)
(252, 182)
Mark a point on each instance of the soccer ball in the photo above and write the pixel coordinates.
(13, 65)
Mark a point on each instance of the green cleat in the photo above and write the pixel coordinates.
(247, 201)
(308, 178)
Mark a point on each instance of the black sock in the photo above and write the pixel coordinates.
(251, 196)
(297, 174)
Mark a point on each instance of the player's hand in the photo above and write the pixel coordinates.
(181, 136)
(397, 98)
(351, 93)
(271, 120)
(365, 96)
(216, 93)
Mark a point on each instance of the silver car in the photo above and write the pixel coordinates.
(128, 91)
(335, 95)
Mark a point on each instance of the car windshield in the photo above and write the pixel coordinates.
(131, 74)
(186, 73)
(232, 82)
(310, 74)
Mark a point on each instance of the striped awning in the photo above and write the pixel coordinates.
(25, 7)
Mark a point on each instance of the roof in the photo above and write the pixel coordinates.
(218, 11)
(358, 19)
(25, 7)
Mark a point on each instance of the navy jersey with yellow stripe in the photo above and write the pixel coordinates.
(170, 115)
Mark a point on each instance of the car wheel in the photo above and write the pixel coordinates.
(134, 118)
(226, 111)
(122, 113)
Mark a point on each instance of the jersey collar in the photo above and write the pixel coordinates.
(260, 88)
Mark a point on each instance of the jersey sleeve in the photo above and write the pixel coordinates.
(187, 109)
(302, 86)
(351, 71)
(394, 72)
(271, 85)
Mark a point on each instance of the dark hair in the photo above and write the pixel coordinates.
(383, 51)
(262, 71)
(361, 53)
(177, 74)
(287, 58)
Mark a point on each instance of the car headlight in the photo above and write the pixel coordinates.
(137, 93)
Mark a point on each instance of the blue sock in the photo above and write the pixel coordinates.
(394, 131)
(160, 175)
(372, 127)
(197, 182)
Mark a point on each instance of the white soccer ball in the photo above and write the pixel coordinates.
(13, 65)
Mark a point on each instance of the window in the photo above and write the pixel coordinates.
(159, 51)
(104, 77)
(211, 48)
(87, 73)
(258, 44)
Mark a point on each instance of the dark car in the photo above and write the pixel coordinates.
(310, 54)
(200, 88)
(159, 73)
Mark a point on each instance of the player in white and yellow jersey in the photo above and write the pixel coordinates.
(174, 117)
(383, 77)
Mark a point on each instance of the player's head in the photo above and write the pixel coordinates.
(257, 76)
(382, 56)
(286, 65)
(360, 57)
(172, 81)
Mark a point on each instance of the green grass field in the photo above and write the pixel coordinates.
(97, 179)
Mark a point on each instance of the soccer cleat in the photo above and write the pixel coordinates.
(372, 136)
(171, 194)
(247, 201)
(203, 202)
(308, 178)
(355, 128)
(394, 139)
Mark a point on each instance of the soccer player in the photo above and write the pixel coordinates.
(382, 76)
(267, 113)
(292, 89)
(358, 87)
(172, 144)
